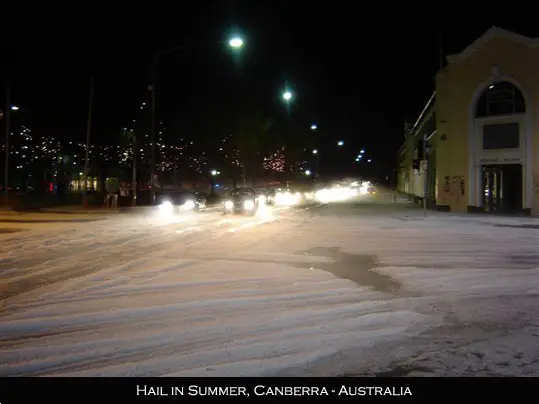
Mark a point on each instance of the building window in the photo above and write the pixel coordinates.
(501, 136)
(500, 99)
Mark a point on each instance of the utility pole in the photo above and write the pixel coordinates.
(87, 153)
(134, 185)
(8, 129)
(425, 174)
(152, 128)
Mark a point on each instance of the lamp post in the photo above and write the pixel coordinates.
(214, 173)
(316, 162)
(235, 42)
(7, 130)
(7, 122)
(87, 152)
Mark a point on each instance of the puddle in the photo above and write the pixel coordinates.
(360, 269)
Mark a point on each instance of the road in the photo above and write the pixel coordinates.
(362, 287)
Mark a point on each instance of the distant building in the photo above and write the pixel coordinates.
(482, 126)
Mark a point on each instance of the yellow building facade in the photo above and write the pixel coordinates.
(486, 137)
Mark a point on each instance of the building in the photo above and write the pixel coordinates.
(482, 126)
(412, 163)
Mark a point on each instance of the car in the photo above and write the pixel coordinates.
(270, 197)
(182, 201)
(267, 195)
(241, 200)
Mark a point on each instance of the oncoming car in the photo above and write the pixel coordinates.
(181, 201)
(242, 200)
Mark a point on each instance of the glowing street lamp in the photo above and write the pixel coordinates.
(369, 160)
(215, 172)
(314, 127)
(362, 151)
(315, 151)
(287, 96)
(340, 143)
(236, 42)
(14, 108)
(307, 172)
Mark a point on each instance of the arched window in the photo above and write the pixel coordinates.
(501, 98)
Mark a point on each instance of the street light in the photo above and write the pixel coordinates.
(307, 172)
(214, 173)
(369, 160)
(314, 127)
(287, 95)
(235, 42)
(6, 117)
(362, 151)
(315, 151)
(340, 143)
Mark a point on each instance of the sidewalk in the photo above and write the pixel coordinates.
(77, 209)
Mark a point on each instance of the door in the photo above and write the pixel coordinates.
(492, 190)
(502, 188)
(512, 187)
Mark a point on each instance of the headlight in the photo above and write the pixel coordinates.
(188, 205)
(248, 205)
(166, 206)
(229, 205)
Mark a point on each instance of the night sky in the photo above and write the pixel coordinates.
(358, 76)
